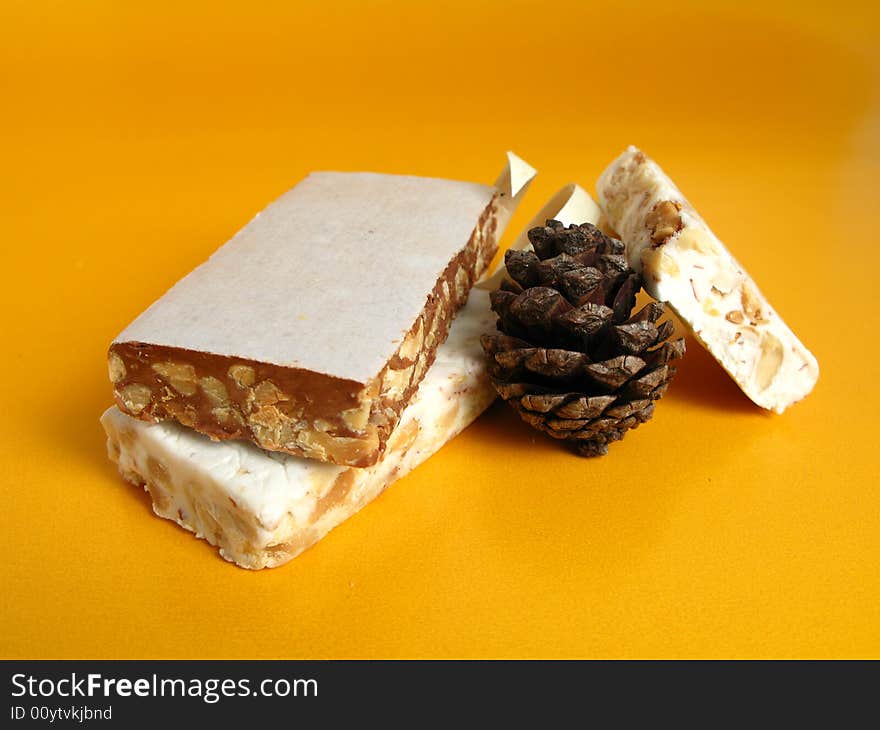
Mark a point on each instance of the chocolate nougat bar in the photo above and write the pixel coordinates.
(311, 329)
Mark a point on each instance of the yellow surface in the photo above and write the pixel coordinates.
(136, 138)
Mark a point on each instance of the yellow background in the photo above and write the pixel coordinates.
(138, 137)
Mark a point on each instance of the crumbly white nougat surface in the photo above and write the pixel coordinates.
(685, 264)
(263, 508)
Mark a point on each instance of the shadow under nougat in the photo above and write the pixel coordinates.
(701, 381)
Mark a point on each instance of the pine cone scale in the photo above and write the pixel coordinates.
(585, 407)
(636, 337)
(542, 403)
(649, 313)
(614, 373)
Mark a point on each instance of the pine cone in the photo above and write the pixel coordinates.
(572, 360)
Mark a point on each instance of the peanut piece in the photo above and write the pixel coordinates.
(116, 368)
(228, 416)
(751, 305)
(135, 397)
(343, 448)
(356, 418)
(412, 344)
(181, 377)
(267, 393)
(663, 220)
(772, 353)
(182, 412)
(215, 391)
(724, 281)
(395, 382)
(462, 283)
(243, 375)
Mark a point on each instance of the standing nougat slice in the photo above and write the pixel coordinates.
(685, 264)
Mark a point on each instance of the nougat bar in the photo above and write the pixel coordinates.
(685, 264)
(310, 330)
(264, 508)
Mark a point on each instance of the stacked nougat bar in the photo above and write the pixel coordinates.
(282, 384)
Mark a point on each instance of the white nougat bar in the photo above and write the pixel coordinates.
(685, 264)
(264, 508)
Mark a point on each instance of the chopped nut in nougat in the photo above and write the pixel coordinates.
(263, 509)
(310, 330)
(685, 264)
